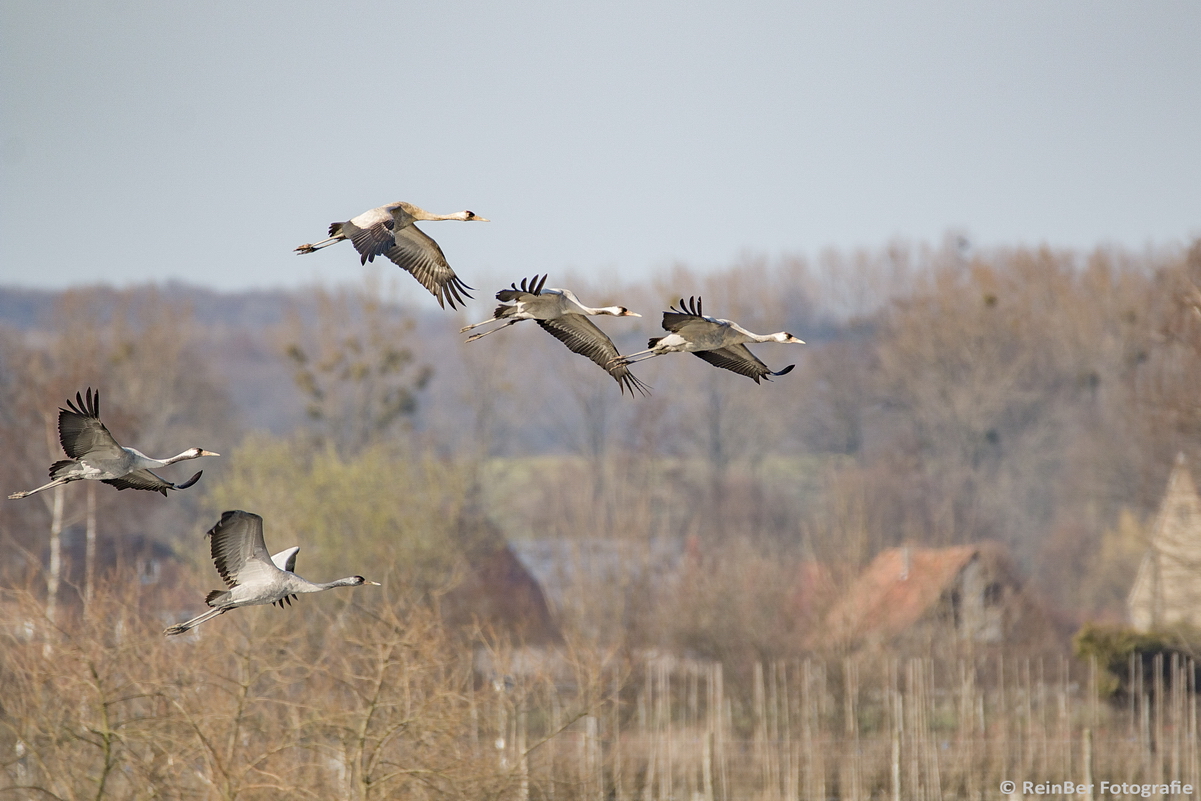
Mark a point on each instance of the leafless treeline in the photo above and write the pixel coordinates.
(1030, 396)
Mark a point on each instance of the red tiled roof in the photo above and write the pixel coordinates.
(887, 598)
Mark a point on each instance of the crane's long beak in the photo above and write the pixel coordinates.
(373, 583)
(209, 453)
(628, 313)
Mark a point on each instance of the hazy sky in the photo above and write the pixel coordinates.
(203, 141)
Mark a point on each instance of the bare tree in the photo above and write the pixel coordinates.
(359, 379)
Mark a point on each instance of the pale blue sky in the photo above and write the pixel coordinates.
(203, 141)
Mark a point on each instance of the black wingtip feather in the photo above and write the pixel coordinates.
(631, 381)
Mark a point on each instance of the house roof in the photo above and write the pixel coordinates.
(495, 590)
(561, 567)
(898, 588)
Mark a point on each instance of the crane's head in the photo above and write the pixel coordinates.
(471, 216)
(359, 581)
(786, 337)
(624, 312)
(195, 453)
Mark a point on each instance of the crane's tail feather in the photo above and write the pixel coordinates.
(60, 465)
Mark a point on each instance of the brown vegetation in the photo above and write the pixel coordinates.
(367, 696)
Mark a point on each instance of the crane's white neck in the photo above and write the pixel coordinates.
(418, 213)
(145, 461)
(779, 336)
(349, 581)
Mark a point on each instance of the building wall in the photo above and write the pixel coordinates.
(1167, 589)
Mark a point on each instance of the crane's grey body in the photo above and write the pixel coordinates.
(389, 231)
(720, 342)
(96, 455)
(254, 578)
(560, 313)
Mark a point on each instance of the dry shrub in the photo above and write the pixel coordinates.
(344, 696)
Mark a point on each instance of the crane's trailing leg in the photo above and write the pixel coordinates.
(324, 243)
(180, 628)
(508, 323)
(630, 358)
(467, 328)
(27, 493)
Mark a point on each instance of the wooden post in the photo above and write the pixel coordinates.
(1176, 716)
(896, 764)
(523, 765)
(759, 706)
(665, 783)
(850, 670)
(1087, 759)
(1158, 689)
(898, 725)
(707, 765)
(618, 790)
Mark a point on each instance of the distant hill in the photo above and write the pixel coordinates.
(30, 309)
(236, 331)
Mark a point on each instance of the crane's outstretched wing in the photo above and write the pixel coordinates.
(581, 336)
(739, 359)
(688, 312)
(417, 254)
(81, 432)
(237, 546)
(146, 480)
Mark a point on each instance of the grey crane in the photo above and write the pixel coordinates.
(253, 577)
(561, 314)
(720, 342)
(96, 455)
(389, 231)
